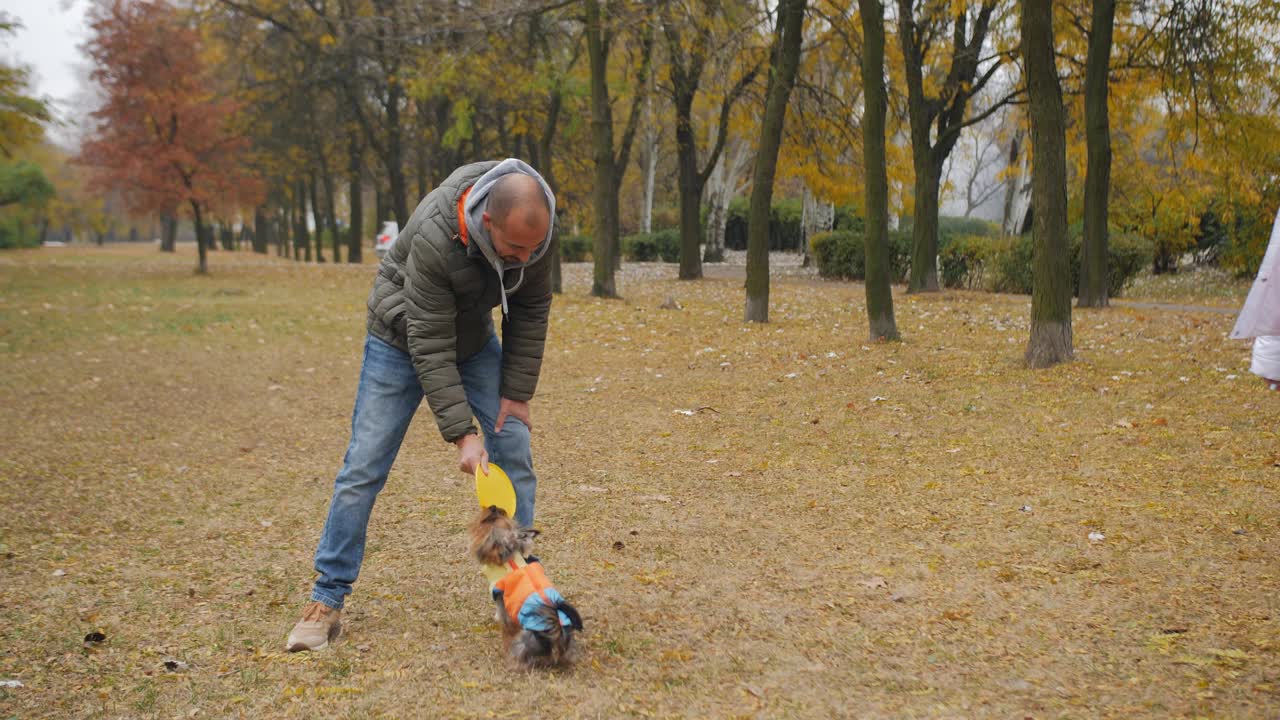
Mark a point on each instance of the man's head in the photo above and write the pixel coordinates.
(517, 217)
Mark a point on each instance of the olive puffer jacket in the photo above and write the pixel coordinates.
(433, 297)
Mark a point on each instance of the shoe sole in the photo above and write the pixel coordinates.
(303, 647)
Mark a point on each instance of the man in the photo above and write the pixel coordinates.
(477, 241)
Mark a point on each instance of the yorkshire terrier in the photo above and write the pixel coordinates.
(537, 623)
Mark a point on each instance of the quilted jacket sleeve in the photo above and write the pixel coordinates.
(430, 311)
(524, 332)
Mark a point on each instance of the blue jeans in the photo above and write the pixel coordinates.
(386, 400)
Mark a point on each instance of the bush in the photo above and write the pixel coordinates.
(839, 254)
(1004, 264)
(1011, 264)
(847, 218)
(663, 245)
(1127, 255)
(16, 232)
(842, 254)
(575, 248)
(951, 228)
(784, 225)
(963, 262)
(668, 242)
(640, 247)
(900, 247)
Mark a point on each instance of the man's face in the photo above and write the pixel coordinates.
(517, 238)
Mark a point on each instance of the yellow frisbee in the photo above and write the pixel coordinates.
(495, 489)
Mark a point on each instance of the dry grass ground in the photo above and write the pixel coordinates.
(776, 520)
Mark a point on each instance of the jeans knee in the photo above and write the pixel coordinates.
(513, 441)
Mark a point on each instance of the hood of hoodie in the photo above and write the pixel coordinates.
(474, 209)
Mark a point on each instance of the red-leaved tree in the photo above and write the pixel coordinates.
(163, 137)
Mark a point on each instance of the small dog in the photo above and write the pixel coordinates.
(537, 623)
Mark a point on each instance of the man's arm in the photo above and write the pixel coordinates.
(524, 333)
(430, 320)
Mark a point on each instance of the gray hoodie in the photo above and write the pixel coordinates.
(478, 201)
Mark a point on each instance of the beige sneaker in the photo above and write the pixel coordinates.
(319, 626)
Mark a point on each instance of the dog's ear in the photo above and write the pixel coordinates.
(575, 620)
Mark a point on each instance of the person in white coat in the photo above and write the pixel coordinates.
(1260, 316)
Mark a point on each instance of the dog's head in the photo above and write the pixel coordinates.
(495, 538)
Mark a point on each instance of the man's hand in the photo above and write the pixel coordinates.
(471, 453)
(514, 408)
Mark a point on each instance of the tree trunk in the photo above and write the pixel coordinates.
(203, 267)
(355, 231)
(602, 284)
(331, 211)
(394, 159)
(557, 274)
(688, 182)
(924, 233)
(723, 183)
(1050, 341)
(420, 168)
(782, 74)
(650, 161)
(1094, 286)
(380, 211)
(284, 230)
(879, 291)
(168, 232)
(260, 230)
(1012, 182)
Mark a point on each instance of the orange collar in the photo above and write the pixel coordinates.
(462, 216)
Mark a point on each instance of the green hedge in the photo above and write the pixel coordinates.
(576, 248)
(950, 228)
(963, 262)
(841, 254)
(785, 231)
(1004, 264)
(662, 245)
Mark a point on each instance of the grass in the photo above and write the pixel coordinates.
(838, 528)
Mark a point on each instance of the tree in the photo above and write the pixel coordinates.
(784, 60)
(1097, 183)
(608, 167)
(688, 58)
(24, 183)
(162, 136)
(1050, 340)
(956, 85)
(981, 158)
(22, 118)
(727, 181)
(876, 193)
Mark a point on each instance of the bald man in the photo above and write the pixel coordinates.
(476, 242)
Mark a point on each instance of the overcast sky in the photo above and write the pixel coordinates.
(49, 44)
